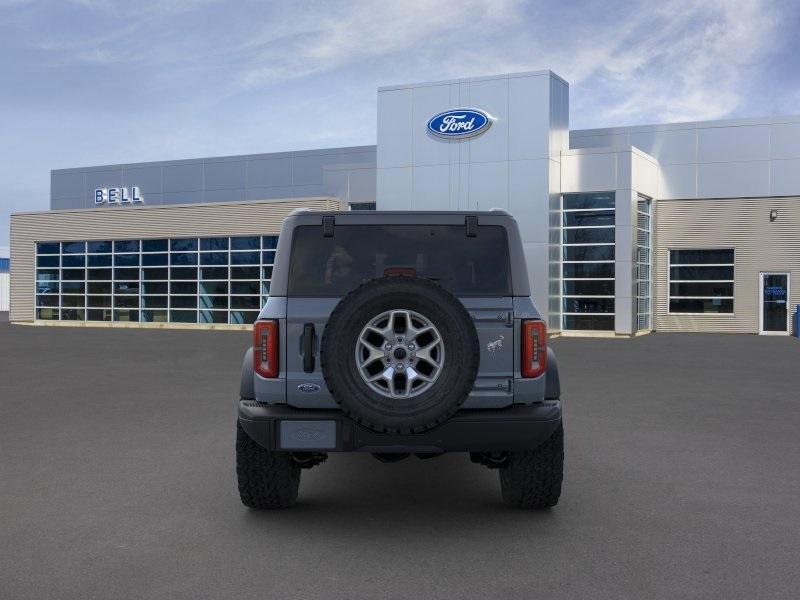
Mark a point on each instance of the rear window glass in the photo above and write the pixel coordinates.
(333, 266)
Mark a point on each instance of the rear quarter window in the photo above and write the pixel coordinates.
(465, 266)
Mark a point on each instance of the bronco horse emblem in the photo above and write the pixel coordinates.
(494, 346)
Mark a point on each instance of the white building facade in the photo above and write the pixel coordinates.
(674, 227)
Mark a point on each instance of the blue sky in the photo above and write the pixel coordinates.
(90, 82)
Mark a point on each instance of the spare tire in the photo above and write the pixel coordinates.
(400, 354)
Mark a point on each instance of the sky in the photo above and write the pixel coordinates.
(93, 82)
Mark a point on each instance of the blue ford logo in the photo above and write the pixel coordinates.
(460, 123)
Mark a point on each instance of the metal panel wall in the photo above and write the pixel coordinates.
(300, 174)
(742, 224)
(219, 219)
(4, 291)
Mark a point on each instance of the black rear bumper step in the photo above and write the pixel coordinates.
(281, 427)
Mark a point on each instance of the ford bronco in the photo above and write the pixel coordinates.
(399, 333)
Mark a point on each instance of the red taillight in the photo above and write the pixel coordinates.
(534, 348)
(265, 348)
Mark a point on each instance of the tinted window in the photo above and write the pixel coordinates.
(332, 266)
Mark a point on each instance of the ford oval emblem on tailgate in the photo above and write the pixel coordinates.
(308, 387)
(460, 123)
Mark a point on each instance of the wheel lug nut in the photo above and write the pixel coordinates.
(388, 347)
(411, 347)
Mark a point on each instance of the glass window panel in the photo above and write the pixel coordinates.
(46, 300)
(69, 300)
(98, 301)
(589, 322)
(268, 257)
(183, 245)
(216, 243)
(593, 200)
(155, 316)
(98, 247)
(73, 247)
(98, 314)
(245, 273)
(701, 257)
(126, 274)
(214, 272)
(126, 260)
(265, 287)
(47, 247)
(99, 274)
(126, 245)
(584, 270)
(589, 236)
(244, 258)
(126, 301)
(252, 302)
(214, 258)
(100, 260)
(73, 274)
(216, 302)
(588, 218)
(183, 258)
(588, 253)
(73, 287)
(269, 242)
(47, 274)
(588, 288)
(245, 287)
(154, 260)
(682, 273)
(588, 305)
(153, 287)
(126, 287)
(73, 260)
(242, 316)
(362, 206)
(47, 261)
(154, 245)
(73, 314)
(183, 301)
(183, 316)
(47, 287)
(213, 287)
(100, 288)
(213, 316)
(701, 289)
(707, 305)
(245, 243)
(126, 315)
(155, 301)
(183, 273)
(48, 314)
(266, 272)
(183, 287)
(155, 274)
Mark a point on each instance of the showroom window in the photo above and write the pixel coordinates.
(172, 280)
(588, 252)
(643, 266)
(701, 281)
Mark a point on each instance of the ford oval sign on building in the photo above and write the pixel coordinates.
(459, 123)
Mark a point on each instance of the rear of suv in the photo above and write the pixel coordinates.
(399, 333)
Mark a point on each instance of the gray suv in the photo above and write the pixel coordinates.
(399, 333)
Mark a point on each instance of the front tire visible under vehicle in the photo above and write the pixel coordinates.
(266, 479)
(532, 478)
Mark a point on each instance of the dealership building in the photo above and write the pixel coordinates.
(627, 230)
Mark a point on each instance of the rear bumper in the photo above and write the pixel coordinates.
(283, 428)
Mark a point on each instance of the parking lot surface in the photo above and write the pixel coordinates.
(682, 480)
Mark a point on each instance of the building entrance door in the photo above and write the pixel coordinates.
(774, 303)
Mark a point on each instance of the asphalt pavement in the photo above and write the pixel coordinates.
(682, 480)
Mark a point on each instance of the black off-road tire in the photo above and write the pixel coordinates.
(532, 478)
(266, 479)
(423, 411)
